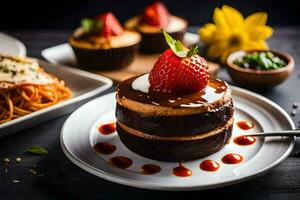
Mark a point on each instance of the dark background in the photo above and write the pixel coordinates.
(59, 14)
(61, 178)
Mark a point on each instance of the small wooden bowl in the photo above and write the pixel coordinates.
(259, 78)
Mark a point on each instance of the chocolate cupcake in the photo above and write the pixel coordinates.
(102, 43)
(150, 24)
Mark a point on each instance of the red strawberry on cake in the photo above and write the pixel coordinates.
(175, 113)
(175, 73)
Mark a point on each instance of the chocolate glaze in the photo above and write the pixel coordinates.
(214, 91)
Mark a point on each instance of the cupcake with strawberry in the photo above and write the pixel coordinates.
(102, 43)
(176, 112)
(150, 23)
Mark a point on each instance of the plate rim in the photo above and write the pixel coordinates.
(132, 183)
(20, 45)
(107, 84)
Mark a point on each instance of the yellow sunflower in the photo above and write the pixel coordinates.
(231, 32)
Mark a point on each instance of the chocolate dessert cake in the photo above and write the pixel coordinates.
(174, 128)
(175, 113)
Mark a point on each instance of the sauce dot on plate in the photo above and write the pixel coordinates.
(107, 129)
(120, 162)
(244, 140)
(149, 169)
(209, 165)
(105, 148)
(182, 171)
(245, 125)
(232, 158)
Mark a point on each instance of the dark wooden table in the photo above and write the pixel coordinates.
(59, 178)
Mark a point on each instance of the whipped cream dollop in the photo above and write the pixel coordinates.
(141, 83)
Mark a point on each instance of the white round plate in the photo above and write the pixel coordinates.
(11, 46)
(80, 133)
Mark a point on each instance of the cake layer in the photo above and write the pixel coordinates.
(175, 148)
(177, 125)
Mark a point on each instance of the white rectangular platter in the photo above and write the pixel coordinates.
(84, 86)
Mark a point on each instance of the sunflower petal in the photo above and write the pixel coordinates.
(233, 17)
(257, 45)
(259, 18)
(219, 19)
(206, 32)
(260, 32)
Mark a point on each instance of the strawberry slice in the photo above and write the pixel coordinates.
(110, 25)
(156, 15)
(178, 70)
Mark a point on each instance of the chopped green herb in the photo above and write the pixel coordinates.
(37, 150)
(260, 61)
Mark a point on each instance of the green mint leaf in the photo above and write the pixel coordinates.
(176, 46)
(91, 25)
(193, 51)
(37, 150)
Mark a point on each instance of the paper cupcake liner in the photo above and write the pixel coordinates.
(105, 59)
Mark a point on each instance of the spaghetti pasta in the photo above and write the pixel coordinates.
(23, 99)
